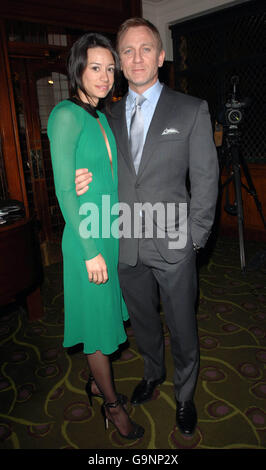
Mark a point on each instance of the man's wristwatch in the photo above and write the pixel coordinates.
(196, 247)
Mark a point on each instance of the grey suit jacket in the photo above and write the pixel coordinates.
(167, 159)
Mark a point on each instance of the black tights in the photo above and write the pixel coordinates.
(100, 368)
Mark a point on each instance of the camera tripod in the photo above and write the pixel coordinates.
(234, 162)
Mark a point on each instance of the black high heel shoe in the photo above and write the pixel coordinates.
(122, 398)
(137, 431)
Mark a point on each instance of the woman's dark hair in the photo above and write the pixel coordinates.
(77, 62)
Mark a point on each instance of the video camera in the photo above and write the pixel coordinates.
(232, 113)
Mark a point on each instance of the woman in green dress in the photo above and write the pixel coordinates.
(80, 137)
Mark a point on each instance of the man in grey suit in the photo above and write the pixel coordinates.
(170, 141)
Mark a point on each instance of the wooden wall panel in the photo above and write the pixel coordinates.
(98, 15)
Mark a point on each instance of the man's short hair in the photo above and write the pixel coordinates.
(133, 23)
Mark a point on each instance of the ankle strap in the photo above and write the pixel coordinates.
(112, 405)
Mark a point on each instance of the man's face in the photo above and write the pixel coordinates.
(140, 58)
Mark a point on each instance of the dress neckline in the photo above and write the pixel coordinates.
(88, 107)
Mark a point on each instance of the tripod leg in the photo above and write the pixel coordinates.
(240, 214)
(252, 190)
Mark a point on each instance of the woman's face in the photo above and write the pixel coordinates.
(98, 76)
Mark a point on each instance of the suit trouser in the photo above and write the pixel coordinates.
(176, 284)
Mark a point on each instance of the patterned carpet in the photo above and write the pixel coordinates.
(43, 404)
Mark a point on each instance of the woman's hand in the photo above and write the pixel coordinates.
(97, 270)
(82, 180)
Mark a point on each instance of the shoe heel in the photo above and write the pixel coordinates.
(105, 419)
(89, 393)
(122, 398)
(137, 430)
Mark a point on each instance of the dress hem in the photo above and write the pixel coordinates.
(96, 349)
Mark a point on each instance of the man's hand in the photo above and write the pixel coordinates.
(97, 270)
(82, 180)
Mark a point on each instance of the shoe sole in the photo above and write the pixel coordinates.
(148, 399)
(141, 402)
(186, 434)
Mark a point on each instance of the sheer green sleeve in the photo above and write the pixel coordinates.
(64, 129)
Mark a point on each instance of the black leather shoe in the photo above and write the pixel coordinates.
(144, 390)
(186, 417)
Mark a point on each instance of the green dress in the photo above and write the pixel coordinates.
(94, 314)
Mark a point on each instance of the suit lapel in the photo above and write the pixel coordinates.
(162, 109)
(119, 127)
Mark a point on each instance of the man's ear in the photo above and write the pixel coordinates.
(161, 58)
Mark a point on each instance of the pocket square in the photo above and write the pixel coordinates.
(170, 131)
